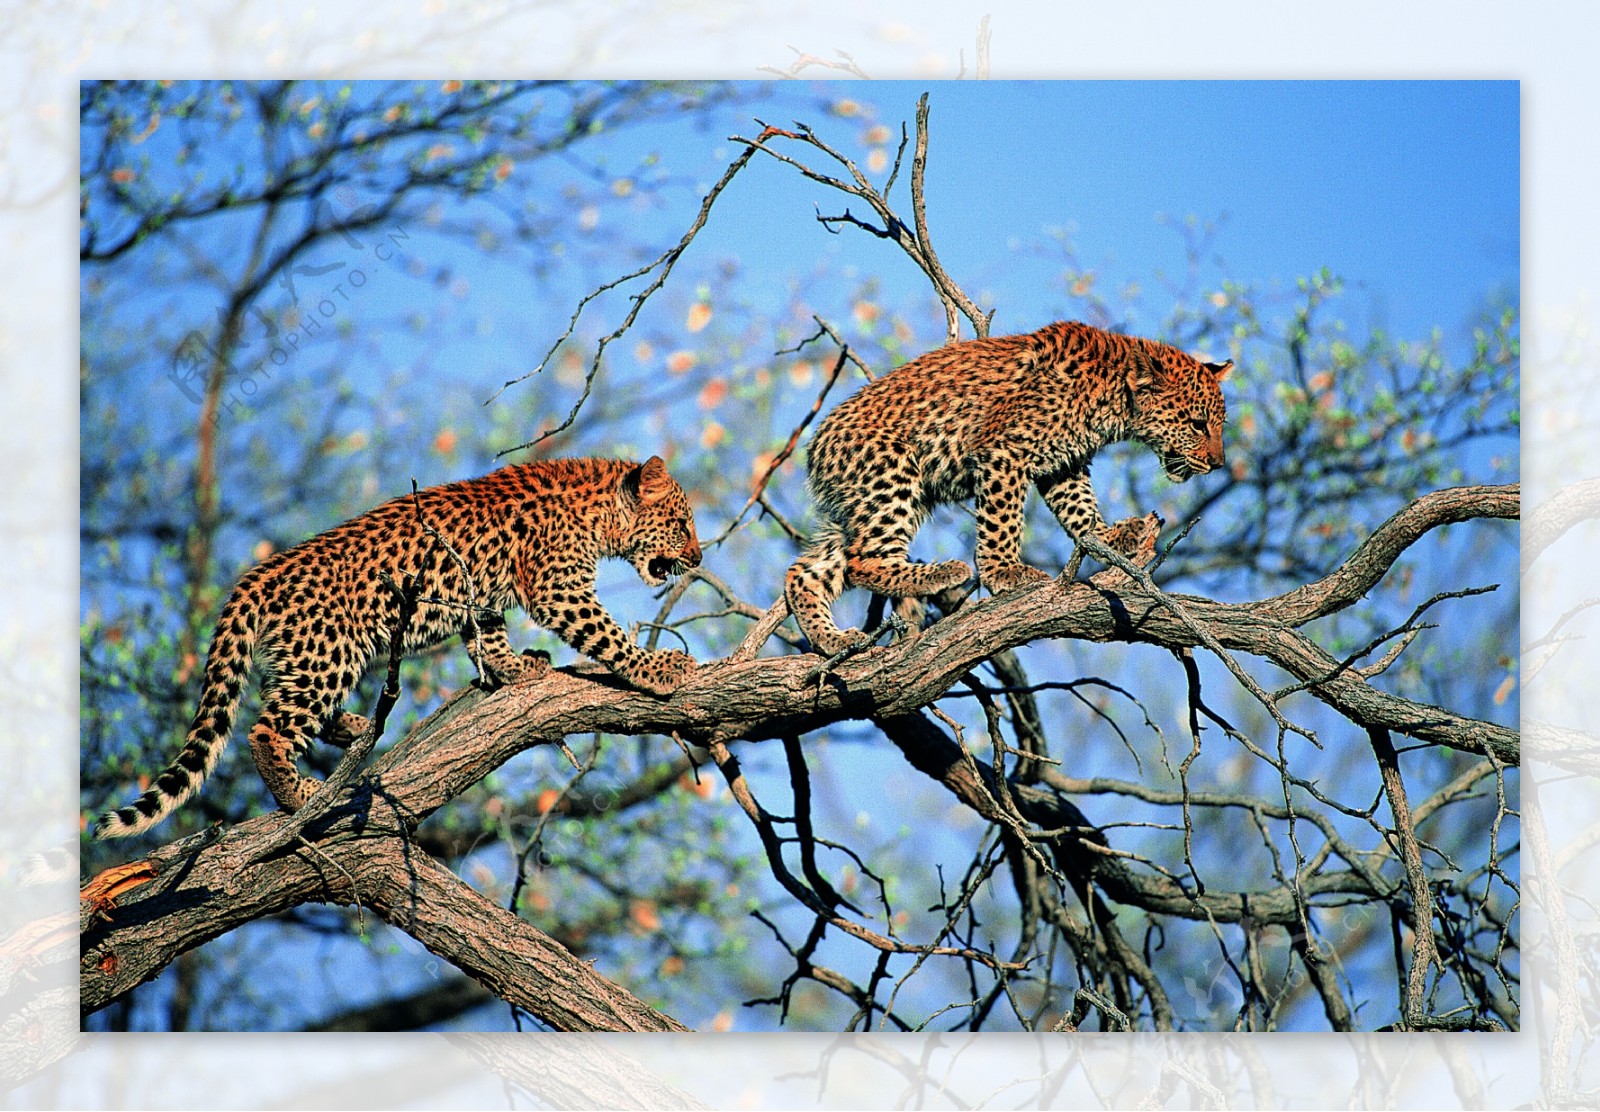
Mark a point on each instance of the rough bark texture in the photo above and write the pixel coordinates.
(199, 896)
(360, 849)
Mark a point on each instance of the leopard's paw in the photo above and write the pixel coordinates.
(531, 664)
(1136, 537)
(947, 575)
(1006, 577)
(842, 641)
(661, 672)
(535, 663)
(342, 730)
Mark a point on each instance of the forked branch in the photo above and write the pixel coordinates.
(366, 829)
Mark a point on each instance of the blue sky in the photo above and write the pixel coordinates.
(1408, 190)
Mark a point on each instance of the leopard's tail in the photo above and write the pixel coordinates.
(227, 666)
(815, 580)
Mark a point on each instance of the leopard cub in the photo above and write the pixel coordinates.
(318, 614)
(982, 420)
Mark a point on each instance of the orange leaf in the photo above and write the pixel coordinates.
(714, 393)
(759, 465)
(644, 915)
(703, 788)
(1503, 692)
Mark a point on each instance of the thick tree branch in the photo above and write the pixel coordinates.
(360, 848)
(1372, 560)
(200, 896)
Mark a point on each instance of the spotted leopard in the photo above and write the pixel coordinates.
(982, 420)
(317, 615)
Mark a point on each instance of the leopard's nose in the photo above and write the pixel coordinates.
(691, 555)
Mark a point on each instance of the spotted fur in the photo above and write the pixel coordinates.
(982, 420)
(317, 615)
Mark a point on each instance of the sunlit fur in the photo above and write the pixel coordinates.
(315, 616)
(983, 420)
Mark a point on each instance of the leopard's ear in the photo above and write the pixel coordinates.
(653, 479)
(628, 492)
(1220, 371)
(645, 482)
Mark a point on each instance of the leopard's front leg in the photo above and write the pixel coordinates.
(491, 650)
(563, 600)
(1072, 500)
(1001, 494)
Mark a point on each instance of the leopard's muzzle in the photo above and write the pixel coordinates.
(660, 567)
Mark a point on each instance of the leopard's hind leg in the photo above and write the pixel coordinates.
(866, 544)
(884, 517)
(276, 742)
(814, 581)
(298, 705)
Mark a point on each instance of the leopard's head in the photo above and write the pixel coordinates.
(1179, 412)
(659, 540)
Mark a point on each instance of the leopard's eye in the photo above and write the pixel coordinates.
(1200, 424)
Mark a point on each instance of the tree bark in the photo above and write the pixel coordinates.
(361, 849)
(200, 895)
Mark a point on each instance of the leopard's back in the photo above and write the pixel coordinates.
(456, 546)
(1055, 396)
(930, 408)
